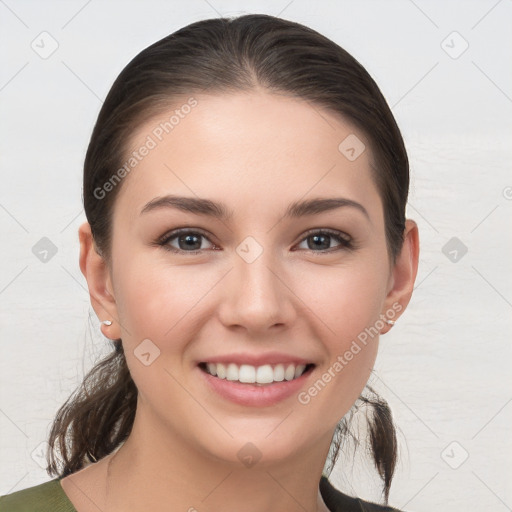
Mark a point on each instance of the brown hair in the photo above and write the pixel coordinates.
(222, 55)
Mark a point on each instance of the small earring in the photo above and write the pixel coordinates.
(390, 322)
(106, 322)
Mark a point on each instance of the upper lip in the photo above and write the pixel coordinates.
(257, 359)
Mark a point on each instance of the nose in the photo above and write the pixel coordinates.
(257, 296)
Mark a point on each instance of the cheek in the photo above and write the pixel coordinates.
(157, 304)
(348, 303)
(346, 299)
(159, 301)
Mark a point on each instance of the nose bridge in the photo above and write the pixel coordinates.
(257, 297)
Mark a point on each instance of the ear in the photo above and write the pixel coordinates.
(99, 281)
(403, 275)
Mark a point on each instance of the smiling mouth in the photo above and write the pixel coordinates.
(264, 375)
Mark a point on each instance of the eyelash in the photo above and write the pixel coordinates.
(346, 244)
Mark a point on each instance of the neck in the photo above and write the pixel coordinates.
(158, 472)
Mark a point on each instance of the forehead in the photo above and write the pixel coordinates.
(246, 148)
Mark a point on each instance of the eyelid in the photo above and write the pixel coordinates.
(327, 231)
(179, 231)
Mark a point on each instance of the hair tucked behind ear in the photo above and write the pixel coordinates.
(220, 56)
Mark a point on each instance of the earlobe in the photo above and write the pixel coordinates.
(96, 272)
(404, 274)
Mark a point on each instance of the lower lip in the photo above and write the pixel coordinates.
(253, 395)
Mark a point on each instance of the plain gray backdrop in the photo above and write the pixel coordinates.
(443, 66)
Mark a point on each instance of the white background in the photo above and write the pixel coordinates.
(444, 368)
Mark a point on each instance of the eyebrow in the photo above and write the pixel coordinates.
(219, 211)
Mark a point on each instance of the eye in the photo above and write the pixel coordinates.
(189, 241)
(185, 240)
(320, 240)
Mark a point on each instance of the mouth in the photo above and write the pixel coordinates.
(264, 375)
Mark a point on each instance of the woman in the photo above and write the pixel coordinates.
(245, 189)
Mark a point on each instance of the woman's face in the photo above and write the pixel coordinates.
(271, 283)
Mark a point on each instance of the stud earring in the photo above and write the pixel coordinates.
(107, 322)
(390, 322)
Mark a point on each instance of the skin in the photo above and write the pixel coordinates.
(256, 152)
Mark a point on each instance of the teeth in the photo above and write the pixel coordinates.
(246, 373)
(279, 373)
(264, 374)
(221, 371)
(289, 373)
(232, 372)
(299, 370)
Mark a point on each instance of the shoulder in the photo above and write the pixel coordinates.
(46, 497)
(336, 501)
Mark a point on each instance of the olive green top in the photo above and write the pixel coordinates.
(47, 497)
(50, 497)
